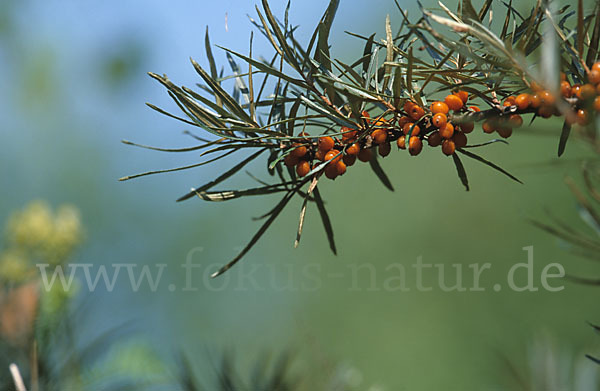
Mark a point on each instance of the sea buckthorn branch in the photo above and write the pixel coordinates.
(325, 115)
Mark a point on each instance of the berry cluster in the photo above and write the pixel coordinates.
(413, 123)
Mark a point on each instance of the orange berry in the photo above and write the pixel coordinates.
(536, 101)
(353, 149)
(384, 149)
(447, 131)
(515, 120)
(381, 122)
(575, 89)
(302, 168)
(304, 136)
(594, 77)
(547, 98)
(299, 151)
(403, 121)
(565, 89)
(488, 126)
(320, 155)
(597, 103)
(583, 117)
(348, 133)
(331, 171)
(408, 105)
(460, 139)
(475, 109)
(401, 142)
(415, 129)
(349, 160)
(341, 167)
(448, 147)
(506, 104)
(325, 143)
(546, 111)
(379, 136)
(454, 102)
(416, 112)
(596, 66)
(511, 100)
(439, 120)
(587, 91)
(598, 89)
(290, 160)
(523, 101)
(332, 155)
(467, 127)
(463, 95)
(505, 131)
(439, 107)
(365, 115)
(434, 139)
(365, 155)
(415, 145)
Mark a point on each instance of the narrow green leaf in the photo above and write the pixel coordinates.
(325, 219)
(211, 105)
(593, 48)
(188, 149)
(484, 9)
(268, 69)
(332, 115)
(409, 71)
(303, 210)
(460, 169)
(227, 99)
(239, 82)
(488, 163)
(322, 57)
(126, 178)
(289, 55)
(213, 66)
(564, 136)
(292, 116)
(268, 33)
(367, 53)
(251, 81)
(221, 177)
(227, 195)
(258, 234)
(493, 141)
(389, 52)
(376, 167)
(170, 115)
(468, 11)
(348, 70)
(301, 221)
(397, 88)
(506, 22)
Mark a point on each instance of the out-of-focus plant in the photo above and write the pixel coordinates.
(37, 234)
(421, 84)
(270, 374)
(37, 327)
(28, 314)
(550, 368)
